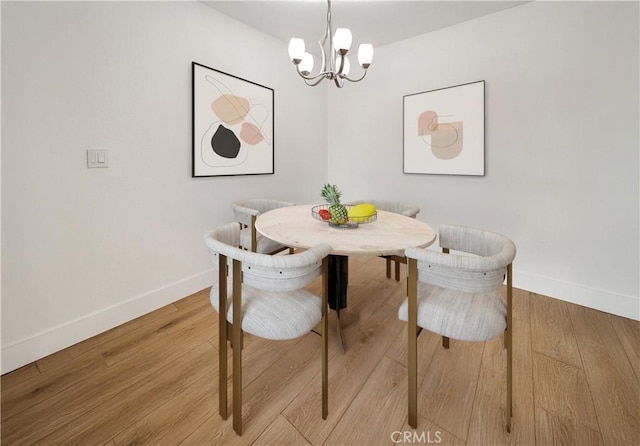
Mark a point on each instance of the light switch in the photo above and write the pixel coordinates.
(97, 158)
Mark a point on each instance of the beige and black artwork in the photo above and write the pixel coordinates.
(444, 131)
(232, 125)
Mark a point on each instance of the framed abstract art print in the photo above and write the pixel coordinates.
(233, 126)
(443, 131)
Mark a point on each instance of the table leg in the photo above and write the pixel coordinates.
(338, 279)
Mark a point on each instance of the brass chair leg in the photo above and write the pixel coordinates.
(509, 342)
(325, 338)
(222, 336)
(509, 385)
(504, 342)
(237, 351)
(254, 234)
(412, 354)
(445, 340)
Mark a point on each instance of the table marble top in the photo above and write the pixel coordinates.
(390, 234)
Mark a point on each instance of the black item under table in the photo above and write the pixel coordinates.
(338, 278)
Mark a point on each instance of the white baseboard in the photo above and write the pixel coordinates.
(603, 300)
(43, 344)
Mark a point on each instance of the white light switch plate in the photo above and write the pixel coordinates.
(97, 158)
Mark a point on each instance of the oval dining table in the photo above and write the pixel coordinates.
(389, 234)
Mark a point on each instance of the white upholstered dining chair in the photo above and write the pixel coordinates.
(459, 296)
(269, 292)
(397, 207)
(245, 213)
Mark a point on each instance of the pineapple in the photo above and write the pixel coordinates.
(331, 193)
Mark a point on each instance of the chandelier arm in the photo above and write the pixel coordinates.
(315, 78)
(313, 84)
(355, 80)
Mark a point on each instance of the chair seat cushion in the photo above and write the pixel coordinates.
(274, 315)
(264, 245)
(459, 315)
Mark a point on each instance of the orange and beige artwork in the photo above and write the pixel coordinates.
(444, 138)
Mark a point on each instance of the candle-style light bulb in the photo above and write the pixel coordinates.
(365, 55)
(296, 50)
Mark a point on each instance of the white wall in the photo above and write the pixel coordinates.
(561, 141)
(87, 249)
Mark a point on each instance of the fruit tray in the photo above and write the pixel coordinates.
(352, 223)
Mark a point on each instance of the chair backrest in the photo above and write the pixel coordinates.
(244, 210)
(397, 207)
(471, 240)
(266, 272)
(481, 272)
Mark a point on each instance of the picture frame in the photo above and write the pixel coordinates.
(232, 125)
(444, 131)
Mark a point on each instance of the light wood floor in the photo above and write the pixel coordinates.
(154, 381)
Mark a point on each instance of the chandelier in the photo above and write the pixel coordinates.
(335, 63)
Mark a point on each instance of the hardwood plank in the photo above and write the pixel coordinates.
(613, 384)
(628, 332)
(194, 369)
(281, 433)
(260, 354)
(18, 387)
(522, 304)
(348, 372)
(166, 427)
(381, 402)
(16, 377)
(266, 397)
(126, 348)
(366, 294)
(447, 393)
(551, 330)
(38, 388)
(488, 419)
(427, 433)
(194, 301)
(555, 430)
(563, 390)
(64, 357)
(176, 418)
(89, 393)
(612, 441)
(428, 345)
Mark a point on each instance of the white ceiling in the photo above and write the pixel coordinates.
(375, 22)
